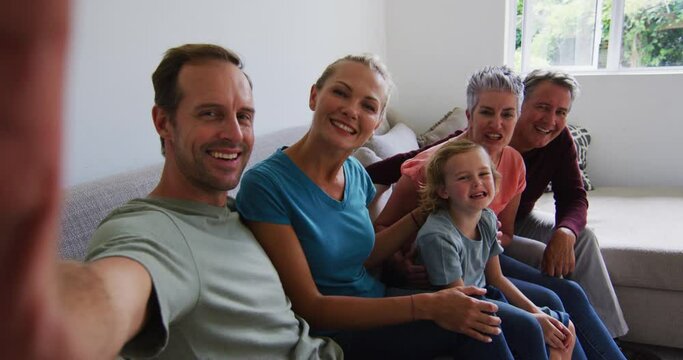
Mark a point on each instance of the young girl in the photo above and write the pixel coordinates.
(458, 246)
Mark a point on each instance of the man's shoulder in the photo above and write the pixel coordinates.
(137, 210)
(561, 142)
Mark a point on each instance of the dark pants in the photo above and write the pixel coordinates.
(417, 340)
(592, 335)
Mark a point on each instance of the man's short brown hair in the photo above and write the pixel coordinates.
(165, 78)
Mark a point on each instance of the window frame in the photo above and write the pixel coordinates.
(612, 66)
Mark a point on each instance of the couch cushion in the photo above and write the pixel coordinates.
(85, 205)
(582, 140)
(636, 228)
(366, 156)
(448, 124)
(399, 139)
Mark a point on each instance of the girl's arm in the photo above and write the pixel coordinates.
(451, 309)
(495, 277)
(507, 218)
(555, 333)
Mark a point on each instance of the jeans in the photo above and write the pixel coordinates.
(417, 340)
(590, 331)
(531, 235)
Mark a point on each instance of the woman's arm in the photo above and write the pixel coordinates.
(451, 309)
(326, 312)
(507, 220)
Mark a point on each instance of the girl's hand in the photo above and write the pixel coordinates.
(556, 335)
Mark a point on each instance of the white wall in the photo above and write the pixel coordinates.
(116, 45)
(635, 120)
(433, 46)
(636, 125)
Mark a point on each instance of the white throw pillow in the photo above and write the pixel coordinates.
(398, 139)
(366, 156)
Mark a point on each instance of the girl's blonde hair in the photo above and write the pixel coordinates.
(430, 201)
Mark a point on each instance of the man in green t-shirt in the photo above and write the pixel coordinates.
(175, 275)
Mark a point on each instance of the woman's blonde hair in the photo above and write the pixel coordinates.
(430, 201)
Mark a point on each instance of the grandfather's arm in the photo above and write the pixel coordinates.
(388, 171)
(571, 209)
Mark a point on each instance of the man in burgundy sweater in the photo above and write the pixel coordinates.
(559, 246)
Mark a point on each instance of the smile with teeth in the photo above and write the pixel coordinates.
(494, 136)
(479, 195)
(344, 127)
(542, 130)
(223, 156)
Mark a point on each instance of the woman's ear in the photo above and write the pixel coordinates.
(313, 97)
(469, 116)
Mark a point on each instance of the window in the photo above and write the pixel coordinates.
(614, 35)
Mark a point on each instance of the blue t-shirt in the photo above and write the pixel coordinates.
(448, 255)
(336, 236)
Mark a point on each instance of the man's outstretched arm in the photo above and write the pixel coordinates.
(48, 310)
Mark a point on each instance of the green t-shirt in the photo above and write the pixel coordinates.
(216, 293)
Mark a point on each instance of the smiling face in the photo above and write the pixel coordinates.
(492, 121)
(348, 106)
(469, 183)
(543, 117)
(209, 141)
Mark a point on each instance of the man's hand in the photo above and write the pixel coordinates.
(454, 309)
(559, 258)
(404, 270)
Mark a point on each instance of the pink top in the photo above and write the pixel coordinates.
(511, 168)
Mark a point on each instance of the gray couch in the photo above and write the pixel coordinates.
(642, 247)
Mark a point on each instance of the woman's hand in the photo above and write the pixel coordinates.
(455, 309)
(556, 335)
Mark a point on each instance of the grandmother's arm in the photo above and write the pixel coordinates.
(403, 200)
(507, 219)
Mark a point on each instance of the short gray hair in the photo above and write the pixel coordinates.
(496, 78)
(557, 77)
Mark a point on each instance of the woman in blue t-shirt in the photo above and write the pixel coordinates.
(307, 206)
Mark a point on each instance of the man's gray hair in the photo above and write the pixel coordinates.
(557, 77)
(494, 78)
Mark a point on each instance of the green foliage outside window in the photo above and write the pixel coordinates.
(652, 33)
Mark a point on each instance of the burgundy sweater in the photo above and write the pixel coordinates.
(556, 162)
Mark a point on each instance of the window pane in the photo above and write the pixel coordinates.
(559, 33)
(653, 33)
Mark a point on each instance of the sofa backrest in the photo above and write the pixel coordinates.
(85, 205)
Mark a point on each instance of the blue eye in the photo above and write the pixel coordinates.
(370, 108)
